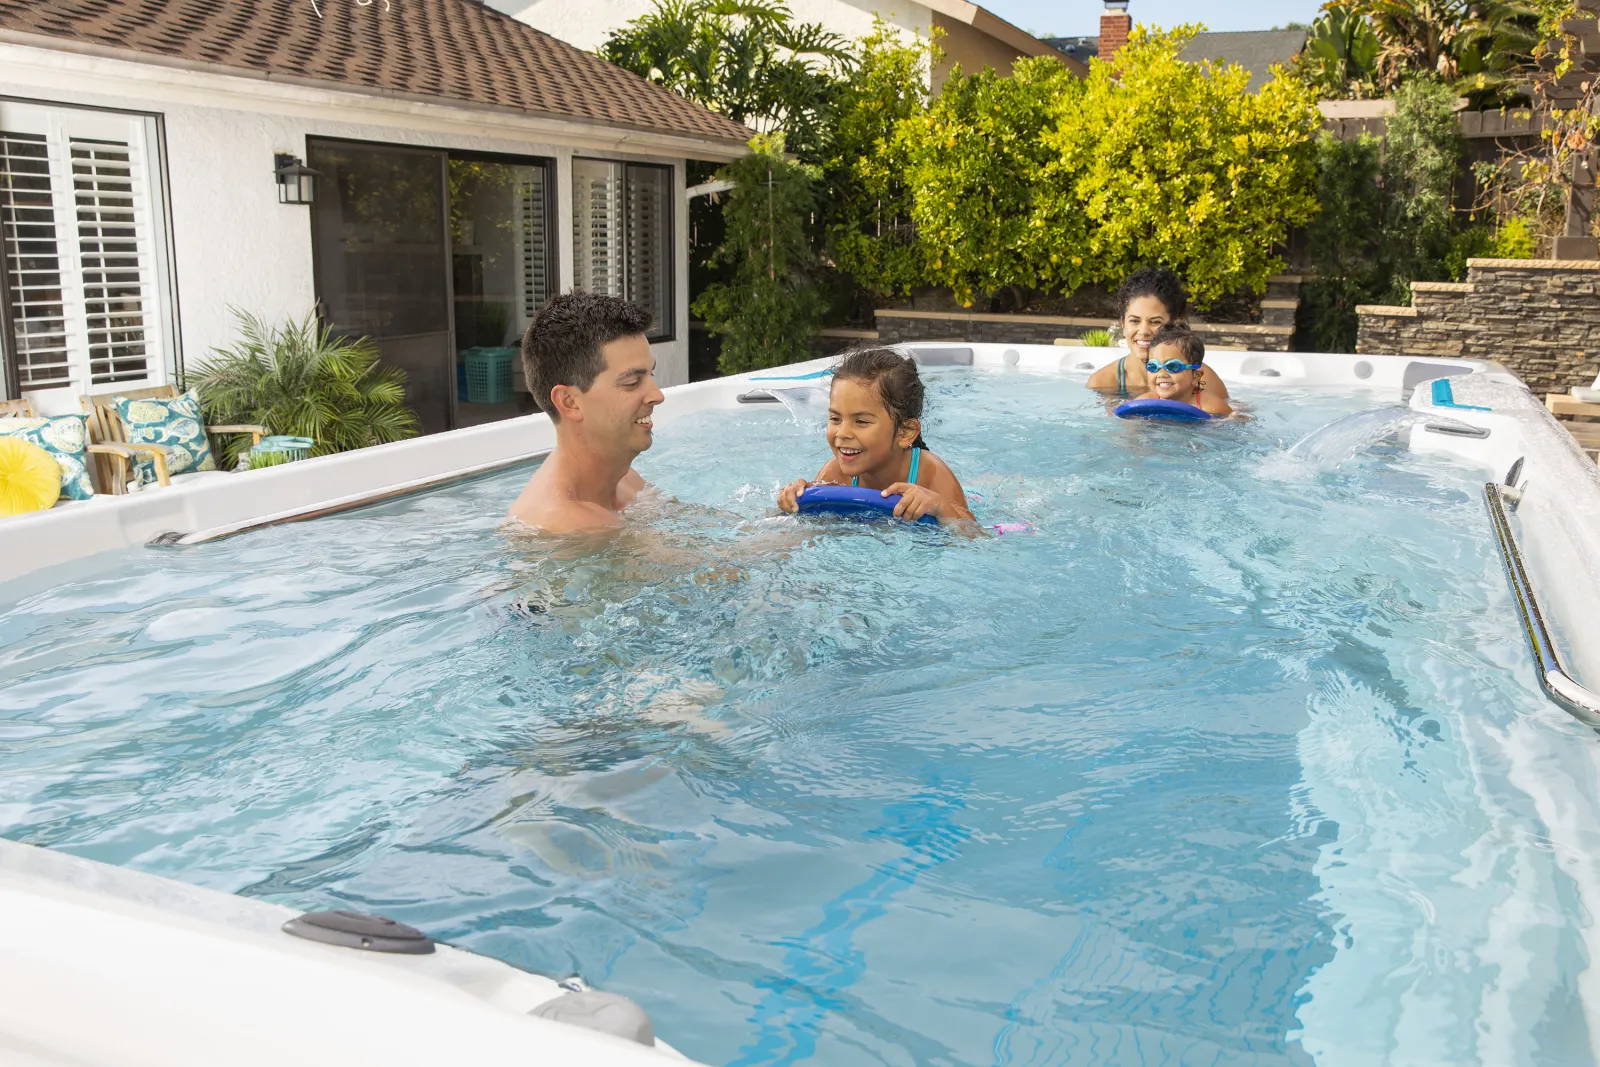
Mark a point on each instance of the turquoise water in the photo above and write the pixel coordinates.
(1218, 767)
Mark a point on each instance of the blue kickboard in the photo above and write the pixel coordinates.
(850, 500)
(1172, 410)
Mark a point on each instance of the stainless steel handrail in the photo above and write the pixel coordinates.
(1558, 685)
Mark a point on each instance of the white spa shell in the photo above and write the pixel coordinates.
(104, 966)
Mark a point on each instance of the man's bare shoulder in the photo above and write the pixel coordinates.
(563, 516)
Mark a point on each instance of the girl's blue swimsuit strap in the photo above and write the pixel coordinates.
(916, 463)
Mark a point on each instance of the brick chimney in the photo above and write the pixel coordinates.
(1115, 25)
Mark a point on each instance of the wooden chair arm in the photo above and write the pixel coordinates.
(158, 455)
(121, 472)
(256, 432)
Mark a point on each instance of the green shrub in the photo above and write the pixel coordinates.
(1345, 241)
(1422, 151)
(301, 380)
(1179, 164)
(978, 165)
(868, 206)
(1096, 338)
(768, 313)
(1515, 239)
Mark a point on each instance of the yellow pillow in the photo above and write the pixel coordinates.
(29, 479)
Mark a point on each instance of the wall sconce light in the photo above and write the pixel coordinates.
(297, 183)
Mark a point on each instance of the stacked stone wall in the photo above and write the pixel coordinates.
(895, 327)
(1540, 319)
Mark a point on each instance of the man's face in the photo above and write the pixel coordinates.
(619, 405)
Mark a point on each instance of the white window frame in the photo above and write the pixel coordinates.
(60, 125)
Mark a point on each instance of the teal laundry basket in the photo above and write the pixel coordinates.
(489, 374)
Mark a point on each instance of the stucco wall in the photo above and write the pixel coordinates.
(969, 49)
(587, 23)
(233, 244)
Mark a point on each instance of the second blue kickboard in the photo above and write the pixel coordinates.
(1172, 410)
(850, 500)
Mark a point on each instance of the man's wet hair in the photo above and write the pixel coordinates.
(895, 379)
(1158, 282)
(562, 345)
(1184, 339)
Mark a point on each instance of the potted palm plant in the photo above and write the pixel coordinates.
(300, 379)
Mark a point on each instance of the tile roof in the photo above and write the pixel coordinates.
(455, 50)
(1254, 50)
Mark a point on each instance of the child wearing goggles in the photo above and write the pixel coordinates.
(1147, 300)
(1175, 368)
(875, 433)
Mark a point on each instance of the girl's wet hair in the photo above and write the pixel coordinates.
(1157, 282)
(1186, 340)
(895, 378)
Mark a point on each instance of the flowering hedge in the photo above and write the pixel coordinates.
(1050, 182)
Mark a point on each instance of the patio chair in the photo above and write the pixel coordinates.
(106, 428)
(118, 459)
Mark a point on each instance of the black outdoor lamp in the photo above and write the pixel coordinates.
(297, 183)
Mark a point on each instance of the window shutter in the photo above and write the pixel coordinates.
(112, 261)
(597, 226)
(647, 271)
(622, 235)
(533, 201)
(33, 261)
(80, 236)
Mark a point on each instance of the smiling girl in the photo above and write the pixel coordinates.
(1148, 299)
(875, 434)
(1175, 370)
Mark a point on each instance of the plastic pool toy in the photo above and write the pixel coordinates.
(1011, 527)
(850, 500)
(1173, 410)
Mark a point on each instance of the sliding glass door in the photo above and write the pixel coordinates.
(502, 272)
(442, 260)
(381, 255)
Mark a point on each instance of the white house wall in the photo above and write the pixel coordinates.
(234, 245)
(587, 23)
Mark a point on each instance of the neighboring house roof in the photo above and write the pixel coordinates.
(1254, 50)
(452, 50)
(1257, 51)
(1082, 49)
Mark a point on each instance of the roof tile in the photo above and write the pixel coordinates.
(453, 49)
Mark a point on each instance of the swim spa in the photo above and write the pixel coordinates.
(1241, 757)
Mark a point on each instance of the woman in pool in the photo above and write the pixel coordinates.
(875, 433)
(1147, 300)
(1176, 370)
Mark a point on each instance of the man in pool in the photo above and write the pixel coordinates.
(590, 369)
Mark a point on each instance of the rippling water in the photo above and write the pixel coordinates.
(1215, 768)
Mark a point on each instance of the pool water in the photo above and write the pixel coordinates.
(1218, 766)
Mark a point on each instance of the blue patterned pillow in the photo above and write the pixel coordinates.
(176, 423)
(65, 438)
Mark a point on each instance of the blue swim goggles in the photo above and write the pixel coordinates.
(1172, 366)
